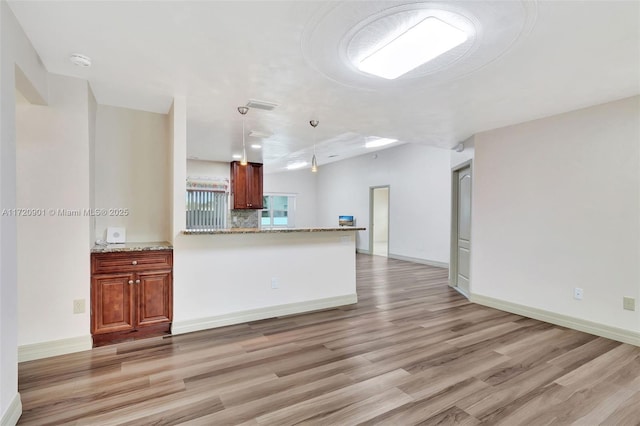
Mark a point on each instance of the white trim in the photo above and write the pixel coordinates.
(181, 327)
(13, 413)
(614, 333)
(434, 263)
(54, 348)
(459, 290)
(363, 251)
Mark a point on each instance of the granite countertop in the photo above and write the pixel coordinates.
(267, 231)
(110, 248)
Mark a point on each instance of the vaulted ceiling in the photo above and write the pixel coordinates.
(523, 60)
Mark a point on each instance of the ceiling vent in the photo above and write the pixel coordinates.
(263, 105)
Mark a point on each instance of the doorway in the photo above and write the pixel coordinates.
(379, 214)
(459, 276)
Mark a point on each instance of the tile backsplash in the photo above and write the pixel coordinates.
(244, 218)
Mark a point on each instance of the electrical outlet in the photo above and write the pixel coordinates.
(577, 293)
(274, 283)
(78, 306)
(629, 303)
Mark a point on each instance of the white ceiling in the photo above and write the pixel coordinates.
(526, 60)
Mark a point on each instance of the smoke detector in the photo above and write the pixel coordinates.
(80, 60)
(263, 105)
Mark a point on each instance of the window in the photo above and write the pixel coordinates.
(279, 211)
(206, 209)
(206, 202)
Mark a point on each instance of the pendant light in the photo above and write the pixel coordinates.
(314, 161)
(243, 110)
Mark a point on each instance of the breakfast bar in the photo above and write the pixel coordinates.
(231, 276)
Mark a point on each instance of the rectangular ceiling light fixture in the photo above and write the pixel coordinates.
(378, 142)
(421, 43)
(264, 105)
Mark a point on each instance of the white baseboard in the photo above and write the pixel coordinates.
(54, 348)
(181, 327)
(13, 413)
(363, 251)
(418, 260)
(613, 333)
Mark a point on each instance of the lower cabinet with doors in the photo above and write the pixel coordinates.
(131, 295)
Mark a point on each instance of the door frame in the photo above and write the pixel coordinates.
(371, 216)
(453, 258)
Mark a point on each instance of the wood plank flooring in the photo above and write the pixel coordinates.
(412, 351)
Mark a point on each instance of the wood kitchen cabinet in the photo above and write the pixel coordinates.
(131, 295)
(246, 186)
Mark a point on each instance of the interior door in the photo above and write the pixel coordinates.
(379, 232)
(464, 229)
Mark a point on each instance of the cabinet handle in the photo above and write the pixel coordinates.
(130, 281)
(137, 281)
(135, 262)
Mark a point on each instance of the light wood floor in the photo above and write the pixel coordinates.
(412, 351)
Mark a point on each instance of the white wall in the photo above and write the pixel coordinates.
(211, 169)
(232, 276)
(178, 171)
(53, 249)
(92, 117)
(419, 198)
(556, 205)
(467, 154)
(15, 49)
(131, 170)
(302, 184)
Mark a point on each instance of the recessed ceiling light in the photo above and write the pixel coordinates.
(421, 43)
(256, 146)
(378, 142)
(298, 165)
(80, 60)
(237, 156)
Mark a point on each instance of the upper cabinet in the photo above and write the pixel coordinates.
(246, 186)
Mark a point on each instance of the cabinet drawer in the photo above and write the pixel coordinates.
(131, 261)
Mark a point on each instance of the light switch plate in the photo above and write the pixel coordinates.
(629, 303)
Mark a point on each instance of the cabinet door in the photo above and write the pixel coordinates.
(112, 299)
(155, 298)
(254, 183)
(239, 185)
(246, 185)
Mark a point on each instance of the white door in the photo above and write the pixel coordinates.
(463, 229)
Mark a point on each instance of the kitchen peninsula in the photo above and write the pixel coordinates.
(232, 276)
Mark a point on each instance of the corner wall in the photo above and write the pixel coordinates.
(131, 169)
(15, 50)
(556, 205)
(53, 174)
(419, 198)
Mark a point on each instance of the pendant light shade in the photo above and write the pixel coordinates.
(314, 160)
(243, 110)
